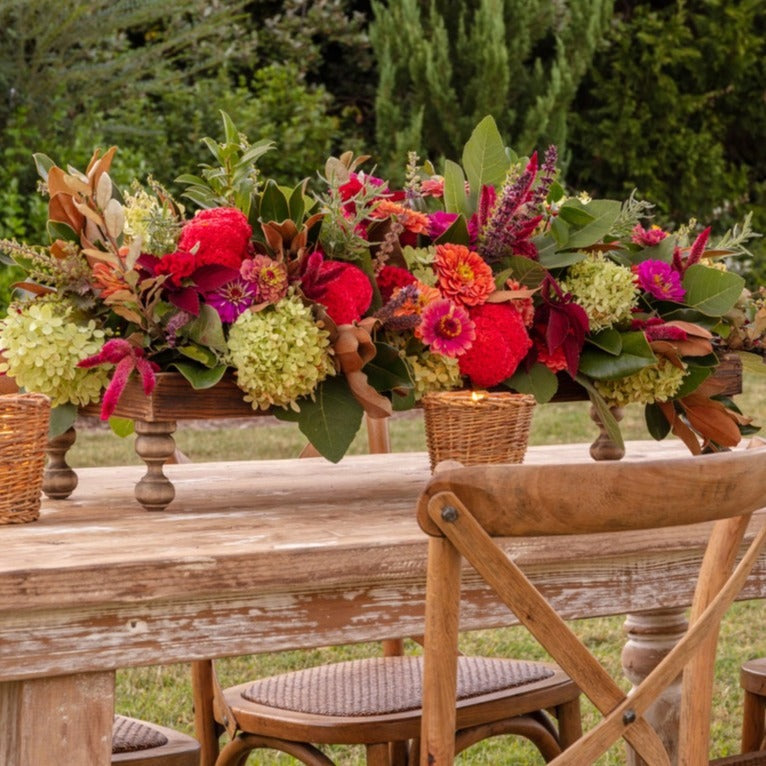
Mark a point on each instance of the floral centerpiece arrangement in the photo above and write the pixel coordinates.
(363, 297)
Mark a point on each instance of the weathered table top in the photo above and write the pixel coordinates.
(270, 555)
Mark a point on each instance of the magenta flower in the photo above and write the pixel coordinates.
(232, 298)
(647, 237)
(446, 328)
(661, 280)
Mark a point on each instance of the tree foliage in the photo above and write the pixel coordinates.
(443, 65)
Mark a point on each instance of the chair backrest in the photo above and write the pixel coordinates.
(463, 509)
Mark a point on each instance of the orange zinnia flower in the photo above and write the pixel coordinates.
(463, 275)
(412, 220)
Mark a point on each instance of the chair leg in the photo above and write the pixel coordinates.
(570, 723)
(235, 753)
(526, 726)
(753, 722)
(378, 754)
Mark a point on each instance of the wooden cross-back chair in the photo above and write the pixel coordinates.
(465, 509)
(375, 702)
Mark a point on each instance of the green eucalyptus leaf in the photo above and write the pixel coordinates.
(484, 158)
(207, 329)
(455, 197)
(200, 377)
(752, 363)
(656, 422)
(605, 213)
(635, 355)
(62, 419)
(122, 427)
(710, 291)
(525, 271)
(538, 381)
(611, 426)
(560, 259)
(331, 420)
(456, 233)
(43, 163)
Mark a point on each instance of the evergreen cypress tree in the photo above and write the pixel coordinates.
(443, 65)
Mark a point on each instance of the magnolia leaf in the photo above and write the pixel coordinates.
(608, 420)
(331, 420)
(484, 158)
(403, 400)
(635, 355)
(560, 231)
(200, 377)
(754, 363)
(539, 381)
(297, 202)
(693, 379)
(274, 205)
(122, 427)
(659, 252)
(455, 197)
(711, 420)
(605, 212)
(387, 370)
(101, 255)
(656, 422)
(62, 419)
(61, 230)
(608, 340)
(710, 291)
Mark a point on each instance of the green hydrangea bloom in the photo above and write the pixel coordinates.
(280, 353)
(434, 372)
(42, 343)
(606, 290)
(655, 383)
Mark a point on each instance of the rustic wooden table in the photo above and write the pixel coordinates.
(264, 556)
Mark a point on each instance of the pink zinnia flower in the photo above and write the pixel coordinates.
(231, 298)
(661, 280)
(432, 187)
(647, 237)
(446, 328)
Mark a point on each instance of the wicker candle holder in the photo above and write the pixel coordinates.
(24, 422)
(476, 427)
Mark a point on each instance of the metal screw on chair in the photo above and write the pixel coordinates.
(629, 716)
(449, 513)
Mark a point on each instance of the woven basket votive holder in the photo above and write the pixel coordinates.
(24, 422)
(475, 427)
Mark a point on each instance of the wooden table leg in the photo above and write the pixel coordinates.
(59, 480)
(651, 635)
(66, 720)
(155, 446)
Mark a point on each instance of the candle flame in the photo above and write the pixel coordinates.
(479, 396)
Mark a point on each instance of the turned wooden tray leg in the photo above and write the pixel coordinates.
(155, 446)
(603, 448)
(59, 480)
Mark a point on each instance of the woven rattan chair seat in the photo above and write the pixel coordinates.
(131, 736)
(380, 685)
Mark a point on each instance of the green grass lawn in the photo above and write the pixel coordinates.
(163, 694)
